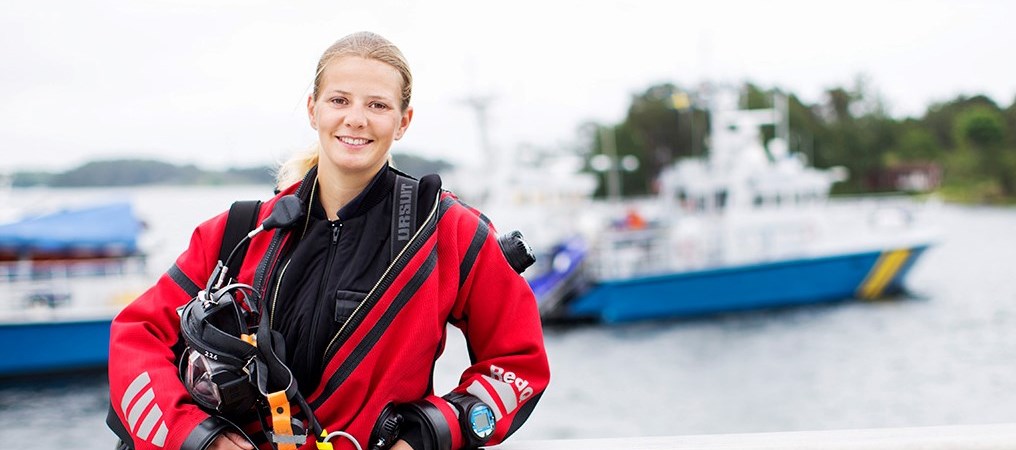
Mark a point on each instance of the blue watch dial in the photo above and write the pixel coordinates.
(481, 418)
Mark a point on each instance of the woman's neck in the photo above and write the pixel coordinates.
(338, 189)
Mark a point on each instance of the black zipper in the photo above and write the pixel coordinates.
(336, 231)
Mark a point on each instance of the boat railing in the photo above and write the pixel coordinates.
(65, 282)
(752, 236)
(48, 269)
(620, 254)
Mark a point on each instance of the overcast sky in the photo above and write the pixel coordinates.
(216, 82)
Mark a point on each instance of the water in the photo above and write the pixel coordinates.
(944, 357)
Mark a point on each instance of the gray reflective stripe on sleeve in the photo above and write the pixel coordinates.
(183, 281)
(132, 391)
(480, 392)
(151, 419)
(160, 436)
(135, 413)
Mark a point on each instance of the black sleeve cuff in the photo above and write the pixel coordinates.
(203, 434)
(424, 426)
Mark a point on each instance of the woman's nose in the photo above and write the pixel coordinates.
(357, 118)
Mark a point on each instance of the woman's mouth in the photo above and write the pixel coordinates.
(354, 141)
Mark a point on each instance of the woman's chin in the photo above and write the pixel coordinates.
(356, 164)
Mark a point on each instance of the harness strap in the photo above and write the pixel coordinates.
(282, 422)
(243, 217)
(404, 212)
(276, 383)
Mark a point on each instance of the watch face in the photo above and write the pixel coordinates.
(482, 420)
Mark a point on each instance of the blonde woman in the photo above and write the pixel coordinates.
(357, 289)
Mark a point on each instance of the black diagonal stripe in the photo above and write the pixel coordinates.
(479, 237)
(482, 216)
(379, 329)
(183, 281)
(445, 204)
(523, 414)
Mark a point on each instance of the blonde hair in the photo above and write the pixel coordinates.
(363, 44)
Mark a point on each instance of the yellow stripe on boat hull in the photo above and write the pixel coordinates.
(884, 270)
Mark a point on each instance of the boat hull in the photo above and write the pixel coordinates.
(53, 346)
(757, 286)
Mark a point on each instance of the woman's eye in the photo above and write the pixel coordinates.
(338, 101)
(377, 105)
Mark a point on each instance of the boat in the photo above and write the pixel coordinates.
(63, 277)
(750, 226)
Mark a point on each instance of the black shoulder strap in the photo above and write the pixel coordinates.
(403, 212)
(243, 217)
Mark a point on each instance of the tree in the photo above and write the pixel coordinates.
(658, 127)
(914, 143)
(981, 130)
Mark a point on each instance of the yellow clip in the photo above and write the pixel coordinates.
(324, 445)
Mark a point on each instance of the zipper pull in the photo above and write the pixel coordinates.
(335, 233)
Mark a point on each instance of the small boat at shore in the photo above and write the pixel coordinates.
(63, 276)
(751, 226)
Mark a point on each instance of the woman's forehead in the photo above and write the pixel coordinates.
(355, 70)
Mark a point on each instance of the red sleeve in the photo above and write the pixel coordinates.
(144, 386)
(502, 326)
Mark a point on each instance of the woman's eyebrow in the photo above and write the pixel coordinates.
(370, 96)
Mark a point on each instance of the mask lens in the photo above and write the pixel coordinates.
(199, 381)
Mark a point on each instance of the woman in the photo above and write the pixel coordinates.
(359, 290)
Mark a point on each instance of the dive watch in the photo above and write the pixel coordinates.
(475, 417)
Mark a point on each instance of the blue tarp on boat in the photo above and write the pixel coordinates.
(110, 228)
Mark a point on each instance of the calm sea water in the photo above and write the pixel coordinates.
(943, 356)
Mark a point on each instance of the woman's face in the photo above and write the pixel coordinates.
(358, 114)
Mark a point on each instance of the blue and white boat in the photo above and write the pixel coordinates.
(63, 277)
(751, 226)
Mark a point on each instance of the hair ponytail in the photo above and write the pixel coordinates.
(293, 169)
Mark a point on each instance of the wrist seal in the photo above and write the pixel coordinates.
(386, 429)
(430, 421)
(204, 433)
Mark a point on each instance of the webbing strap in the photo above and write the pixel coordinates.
(243, 217)
(403, 213)
(282, 421)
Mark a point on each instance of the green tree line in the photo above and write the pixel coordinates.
(971, 140)
(137, 172)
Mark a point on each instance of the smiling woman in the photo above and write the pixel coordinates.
(367, 268)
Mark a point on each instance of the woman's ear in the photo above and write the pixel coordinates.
(407, 117)
(310, 111)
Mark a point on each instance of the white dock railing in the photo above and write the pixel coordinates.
(966, 437)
